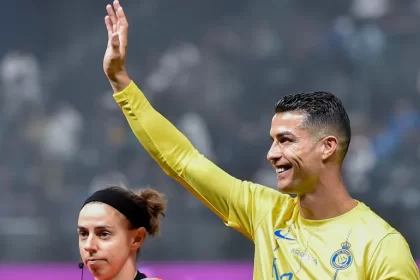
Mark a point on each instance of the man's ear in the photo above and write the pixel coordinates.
(329, 147)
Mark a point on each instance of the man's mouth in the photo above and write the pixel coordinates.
(282, 168)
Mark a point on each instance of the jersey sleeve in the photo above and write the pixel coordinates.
(392, 259)
(233, 200)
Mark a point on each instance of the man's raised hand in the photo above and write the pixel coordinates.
(115, 54)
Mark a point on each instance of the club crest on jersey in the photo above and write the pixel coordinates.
(342, 258)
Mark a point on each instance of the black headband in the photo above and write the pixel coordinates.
(136, 214)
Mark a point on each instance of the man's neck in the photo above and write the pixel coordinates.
(327, 201)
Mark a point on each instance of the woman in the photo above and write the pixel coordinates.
(112, 227)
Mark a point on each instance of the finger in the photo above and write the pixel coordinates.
(122, 27)
(122, 19)
(117, 7)
(112, 16)
(115, 41)
(108, 25)
(116, 4)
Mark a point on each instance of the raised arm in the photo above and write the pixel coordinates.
(233, 200)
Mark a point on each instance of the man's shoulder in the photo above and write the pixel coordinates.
(373, 223)
(372, 228)
(376, 238)
(392, 259)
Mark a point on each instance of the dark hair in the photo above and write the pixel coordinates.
(151, 200)
(155, 205)
(323, 110)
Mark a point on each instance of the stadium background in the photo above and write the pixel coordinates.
(215, 69)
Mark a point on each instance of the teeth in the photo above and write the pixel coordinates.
(280, 170)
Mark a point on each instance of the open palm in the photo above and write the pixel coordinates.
(117, 27)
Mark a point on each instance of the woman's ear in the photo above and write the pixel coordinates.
(138, 238)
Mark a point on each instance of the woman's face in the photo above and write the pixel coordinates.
(105, 240)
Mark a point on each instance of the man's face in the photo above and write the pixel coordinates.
(105, 241)
(295, 153)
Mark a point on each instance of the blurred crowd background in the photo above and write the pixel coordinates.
(215, 69)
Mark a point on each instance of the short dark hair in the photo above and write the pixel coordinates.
(323, 110)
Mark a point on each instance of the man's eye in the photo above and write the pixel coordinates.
(104, 234)
(83, 233)
(284, 140)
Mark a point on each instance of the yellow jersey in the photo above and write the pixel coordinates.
(356, 245)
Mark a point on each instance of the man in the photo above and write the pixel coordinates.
(323, 233)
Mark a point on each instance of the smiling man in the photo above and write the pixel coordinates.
(322, 233)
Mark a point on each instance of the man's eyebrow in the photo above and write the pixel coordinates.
(282, 134)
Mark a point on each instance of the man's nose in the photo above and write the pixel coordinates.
(274, 153)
